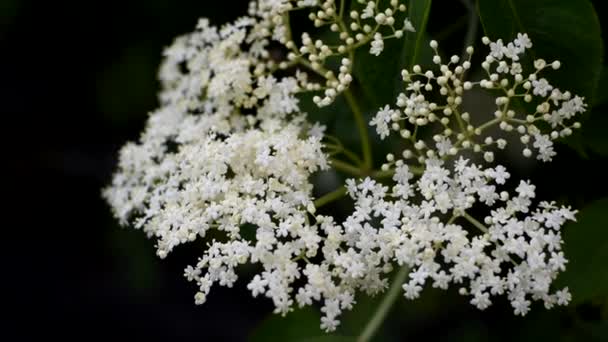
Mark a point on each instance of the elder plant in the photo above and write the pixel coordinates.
(229, 153)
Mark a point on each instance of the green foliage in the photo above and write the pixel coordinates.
(586, 246)
(601, 95)
(301, 325)
(8, 12)
(565, 30)
(295, 325)
(141, 271)
(593, 135)
(329, 338)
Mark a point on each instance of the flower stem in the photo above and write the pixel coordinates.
(330, 197)
(341, 13)
(387, 302)
(476, 223)
(343, 150)
(346, 168)
(417, 170)
(362, 127)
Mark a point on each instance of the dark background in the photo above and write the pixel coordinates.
(76, 81)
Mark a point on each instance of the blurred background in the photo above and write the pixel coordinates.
(77, 81)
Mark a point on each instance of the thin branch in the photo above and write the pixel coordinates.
(387, 302)
(476, 223)
(362, 127)
(330, 197)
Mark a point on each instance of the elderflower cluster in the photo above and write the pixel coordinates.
(525, 104)
(518, 254)
(228, 158)
(517, 249)
(229, 154)
(363, 25)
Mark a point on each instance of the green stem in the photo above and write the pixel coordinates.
(352, 156)
(287, 26)
(474, 222)
(330, 197)
(457, 115)
(348, 153)
(383, 174)
(387, 302)
(341, 13)
(389, 173)
(362, 127)
(488, 124)
(346, 168)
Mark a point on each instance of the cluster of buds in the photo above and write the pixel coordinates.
(461, 130)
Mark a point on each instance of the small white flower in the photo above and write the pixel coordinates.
(381, 120)
(377, 45)
(522, 41)
(369, 10)
(407, 25)
(541, 87)
(563, 296)
(497, 49)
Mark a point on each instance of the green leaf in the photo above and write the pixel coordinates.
(136, 257)
(564, 30)
(298, 325)
(601, 94)
(380, 76)
(594, 331)
(302, 325)
(593, 133)
(329, 338)
(586, 247)
(415, 46)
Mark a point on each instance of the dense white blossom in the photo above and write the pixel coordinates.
(227, 159)
(517, 253)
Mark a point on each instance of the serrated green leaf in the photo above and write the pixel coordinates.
(586, 247)
(565, 30)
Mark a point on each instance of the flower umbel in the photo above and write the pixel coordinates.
(229, 156)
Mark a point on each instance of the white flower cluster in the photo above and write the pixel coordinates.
(505, 75)
(518, 254)
(364, 25)
(229, 152)
(229, 155)
(207, 85)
